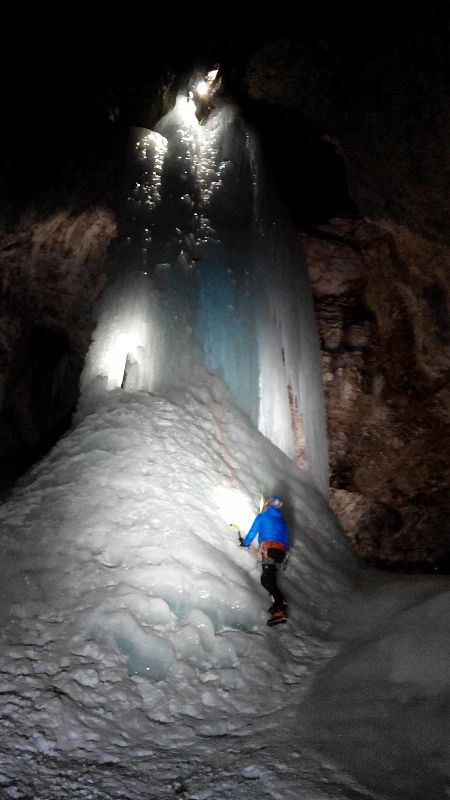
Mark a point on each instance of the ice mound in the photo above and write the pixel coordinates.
(128, 524)
(134, 629)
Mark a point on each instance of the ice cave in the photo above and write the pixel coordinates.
(135, 657)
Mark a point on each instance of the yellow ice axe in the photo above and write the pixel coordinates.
(236, 527)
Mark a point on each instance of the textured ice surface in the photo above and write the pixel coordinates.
(135, 658)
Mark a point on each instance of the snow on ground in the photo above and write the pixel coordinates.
(136, 661)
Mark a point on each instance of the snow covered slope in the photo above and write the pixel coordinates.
(136, 661)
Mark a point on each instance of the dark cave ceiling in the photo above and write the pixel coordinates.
(76, 84)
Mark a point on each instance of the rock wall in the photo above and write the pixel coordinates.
(382, 299)
(51, 274)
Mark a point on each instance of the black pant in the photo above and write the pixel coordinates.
(269, 577)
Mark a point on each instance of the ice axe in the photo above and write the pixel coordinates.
(237, 529)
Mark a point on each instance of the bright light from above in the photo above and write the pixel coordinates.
(235, 508)
(202, 88)
(186, 108)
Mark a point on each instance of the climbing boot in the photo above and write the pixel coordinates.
(278, 617)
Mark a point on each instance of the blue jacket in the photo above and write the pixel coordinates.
(270, 526)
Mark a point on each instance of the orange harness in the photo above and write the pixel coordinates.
(271, 546)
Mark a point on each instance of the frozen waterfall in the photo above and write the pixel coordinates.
(209, 276)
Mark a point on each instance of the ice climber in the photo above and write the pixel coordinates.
(273, 539)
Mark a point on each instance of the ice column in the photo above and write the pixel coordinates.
(209, 276)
